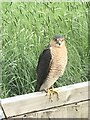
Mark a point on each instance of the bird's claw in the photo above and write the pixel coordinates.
(51, 92)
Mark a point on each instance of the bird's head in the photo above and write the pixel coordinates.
(57, 41)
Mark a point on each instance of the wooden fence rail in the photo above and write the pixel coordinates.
(73, 102)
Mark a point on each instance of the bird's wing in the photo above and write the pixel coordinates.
(43, 67)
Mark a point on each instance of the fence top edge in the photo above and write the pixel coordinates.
(35, 94)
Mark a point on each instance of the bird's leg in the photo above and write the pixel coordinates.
(53, 89)
(55, 92)
(49, 92)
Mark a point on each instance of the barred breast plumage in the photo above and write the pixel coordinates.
(58, 64)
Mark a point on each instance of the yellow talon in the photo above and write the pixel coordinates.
(55, 92)
(51, 91)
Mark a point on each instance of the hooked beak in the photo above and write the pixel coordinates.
(58, 42)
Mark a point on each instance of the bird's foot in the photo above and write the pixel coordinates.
(51, 92)
(55, 92)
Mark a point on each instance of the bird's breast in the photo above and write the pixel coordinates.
(57, 67)
(59, 60)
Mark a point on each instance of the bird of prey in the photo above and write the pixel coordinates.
(51, 64)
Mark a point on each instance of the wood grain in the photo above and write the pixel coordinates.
(39, 101)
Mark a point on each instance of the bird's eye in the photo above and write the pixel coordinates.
(55, 39)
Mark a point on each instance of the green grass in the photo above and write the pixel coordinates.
(27, 29)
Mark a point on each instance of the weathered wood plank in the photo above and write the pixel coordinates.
(1, 111)
(79, 110)
(39, 101)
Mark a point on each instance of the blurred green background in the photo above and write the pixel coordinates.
(27, 29)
